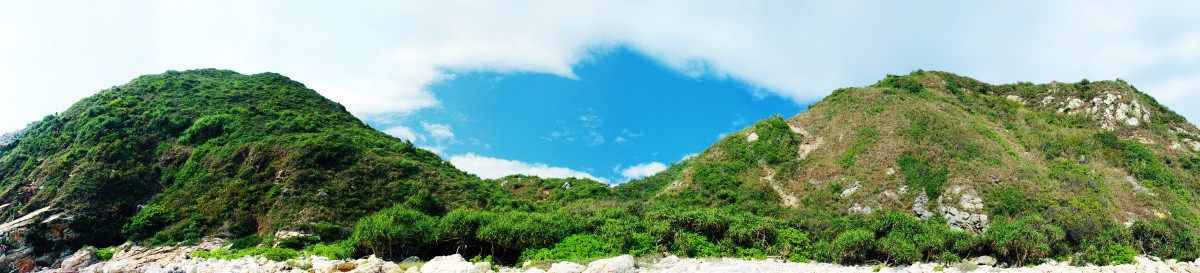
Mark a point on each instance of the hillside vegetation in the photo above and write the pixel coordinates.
(928, 166)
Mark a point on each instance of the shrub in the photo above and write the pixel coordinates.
(279, 254)
(147, 222)
(205, 128)
(331, 251)
(1168, 238)
(1112, 254)
(864, 138)
(271, 253)
(1023, 241)
(393, 232)
(795, 245)
(898, 248)
(852, 246)
(1012, 201)
(298, 242)
(105, 253)
(695, 245)
(918, 173)
(246, 242)
(949, 258)
(577, 247)
(517, 231)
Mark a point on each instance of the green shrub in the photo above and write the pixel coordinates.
(246, 242)
(1024, 241)
(279, 254)
(1112, 254)
(919, 174)
(1168, 238)
(205, 128)
(393, 232)
(864, 138)
(298, 242)
(1012, 201)
(579, 247)
(853, 246)
(106, 253)
(147, 222)
(796, 247)
(898, 248)
(906, 83)
(332, 251)
(949, 258)
(271, 253)
(695, 245)
(517, 231)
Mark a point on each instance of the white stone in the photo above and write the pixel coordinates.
(449, 264)
(851, 190)
(619, 264)
(565, 267)
(752, 137)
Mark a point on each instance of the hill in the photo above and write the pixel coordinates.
(928, 166)
(1035, 170)
(183, 155)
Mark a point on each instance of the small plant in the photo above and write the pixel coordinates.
(106, 253)
(938, 268)
(876, 268)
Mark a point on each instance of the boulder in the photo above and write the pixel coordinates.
(535, 270)
(449, 264)
(985, 260)
(566, 267)
(619, 264)
(344, 266)
(82, 258)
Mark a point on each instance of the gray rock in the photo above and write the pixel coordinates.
(919, 206)
(82, 258)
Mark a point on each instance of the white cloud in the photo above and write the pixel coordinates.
(643, 170)
(402, 132)
(490, 167)
(435, 149)
(689, 156)
(438, 131)
(380, 57)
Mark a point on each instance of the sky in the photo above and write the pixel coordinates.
(609, 90)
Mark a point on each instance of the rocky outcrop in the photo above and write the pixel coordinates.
(1109, 110)
(9, 137)
(919, 206)
(967, 214)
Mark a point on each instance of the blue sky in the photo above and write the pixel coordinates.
(450, 74)
(623, 114)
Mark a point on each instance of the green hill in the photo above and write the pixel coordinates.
(928, 166)
(1035, 170)
(189, 154)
